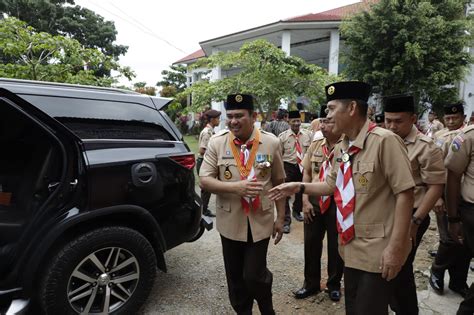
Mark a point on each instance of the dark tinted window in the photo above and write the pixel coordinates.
(99, 119)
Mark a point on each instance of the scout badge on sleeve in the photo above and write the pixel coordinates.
(457, 142)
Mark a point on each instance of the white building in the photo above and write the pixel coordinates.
(312, 37)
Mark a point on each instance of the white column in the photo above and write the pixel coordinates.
(286, 42)
(216, 74)
(334, 52)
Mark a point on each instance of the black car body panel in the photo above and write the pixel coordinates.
(119, 158)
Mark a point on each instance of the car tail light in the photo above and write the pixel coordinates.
(187, 161)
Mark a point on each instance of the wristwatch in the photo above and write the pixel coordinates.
(302, 188)
(416, 220)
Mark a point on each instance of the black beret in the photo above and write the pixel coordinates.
(212, 113)
(354, 90)
(322, 111)
(453, 109)
(239, 101)
(294, 114)
(398, 103)
(380, 118)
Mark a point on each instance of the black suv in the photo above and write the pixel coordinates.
(96, 185)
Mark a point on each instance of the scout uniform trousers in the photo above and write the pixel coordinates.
(466, 210)
(313, 248)
(404, 300)
(248, 277)
(451, 256)
(293, 174)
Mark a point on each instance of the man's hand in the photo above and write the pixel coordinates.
(246, 188)
(283, 190)
(392, 261)
(308, 211)
(455, 230)
(439, 207)
(277, 230)
(413, 231)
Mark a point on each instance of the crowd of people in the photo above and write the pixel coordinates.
(365, 181)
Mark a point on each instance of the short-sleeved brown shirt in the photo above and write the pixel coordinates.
(288, 144)
(426, 162)
(231, 220)
(205, 136)
(460, 160)
(380, 170)
(443, 139)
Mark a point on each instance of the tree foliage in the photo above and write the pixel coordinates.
(264, 71)
(175, 77)
(41, 56)
(62, 17)
(410, 46)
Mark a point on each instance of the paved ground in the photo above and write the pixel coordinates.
(195, 282)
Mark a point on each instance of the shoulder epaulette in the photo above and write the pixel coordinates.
(221, 132)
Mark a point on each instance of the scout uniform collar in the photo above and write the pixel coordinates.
(359, 141)
(411, 138)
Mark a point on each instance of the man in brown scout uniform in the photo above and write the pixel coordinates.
(212, 118)
(373, 188)
(460, 165)
(294, 142)
(433, 126)
(241, 164)
(320, 217)
(429, 175)
(451, 255)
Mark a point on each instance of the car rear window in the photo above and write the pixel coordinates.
(101, 119)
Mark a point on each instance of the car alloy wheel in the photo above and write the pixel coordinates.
(103, 281)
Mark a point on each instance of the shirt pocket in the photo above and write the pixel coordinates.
(369, 230)
(266, 203)
(228, 170)
(223, 202)
(363, 176)
(316, 162)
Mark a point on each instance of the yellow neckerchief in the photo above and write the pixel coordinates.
(245, 169)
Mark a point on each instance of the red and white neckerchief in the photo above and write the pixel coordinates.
(245, 160)
(299, 151)
(325, 201)
(344, 194)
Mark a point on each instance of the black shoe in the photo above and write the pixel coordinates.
(208, 213)
(286, 229)
(461, 290)
(298, 217)
(436, 283)
(335, 295)
(304, 293)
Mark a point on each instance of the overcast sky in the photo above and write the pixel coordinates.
(159, 33)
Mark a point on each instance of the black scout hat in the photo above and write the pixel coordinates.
(348, 90)
(398, 103)
(380, 118)
(239, 101)
(322, 111)
(453, 109)
(212, 113)
(294, 114)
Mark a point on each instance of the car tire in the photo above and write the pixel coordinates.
(114, 267)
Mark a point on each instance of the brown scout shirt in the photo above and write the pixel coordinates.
(231, 220)
(381, 170)
(205, 136)
(460, 160)
(444, 137)
(426, 162)
(288, 144)
(433, 128)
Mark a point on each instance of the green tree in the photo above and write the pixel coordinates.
(264, 71)
(410, 46)
(62, 17)
(141, 87)
(176, 77)
(41, 56)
